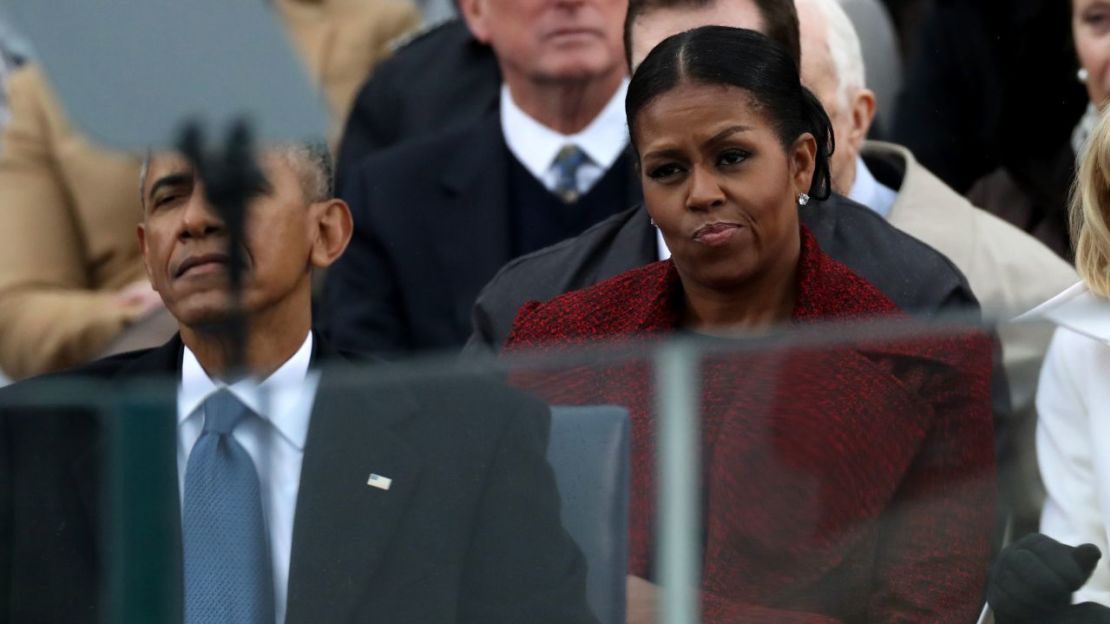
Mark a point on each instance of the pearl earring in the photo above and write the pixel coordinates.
(1082, 75)
(803, 199)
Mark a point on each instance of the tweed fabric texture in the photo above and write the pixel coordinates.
(851, 483)
(228, 571)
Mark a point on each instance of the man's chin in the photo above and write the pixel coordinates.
(577, 65)
(207, 317)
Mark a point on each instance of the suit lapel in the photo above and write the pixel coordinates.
(343, 525)
(472, 240)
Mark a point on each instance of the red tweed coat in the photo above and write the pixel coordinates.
(840, 484)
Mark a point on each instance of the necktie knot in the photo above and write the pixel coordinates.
(567, 163)
(223, 411)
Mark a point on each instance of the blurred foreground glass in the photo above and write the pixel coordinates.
(842, 473)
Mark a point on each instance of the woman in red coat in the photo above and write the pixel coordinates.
(851, 483)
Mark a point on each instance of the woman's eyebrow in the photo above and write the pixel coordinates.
(666, 152)
(726, 133)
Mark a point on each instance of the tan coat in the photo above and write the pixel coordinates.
(68, 209)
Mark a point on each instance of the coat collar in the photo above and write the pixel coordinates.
(1077, 309)
(826, 289)
(926, 207)
(473, 219)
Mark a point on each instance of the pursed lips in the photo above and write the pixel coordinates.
(716, 233)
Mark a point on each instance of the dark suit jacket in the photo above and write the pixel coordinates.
(441, 79)
(432, 226)
(915, 276)
(468, 531)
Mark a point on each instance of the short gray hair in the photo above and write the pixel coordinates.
(844, 48)
(311, 160)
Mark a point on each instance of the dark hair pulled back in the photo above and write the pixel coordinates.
(745, 59)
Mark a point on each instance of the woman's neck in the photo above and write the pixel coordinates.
(757, 304)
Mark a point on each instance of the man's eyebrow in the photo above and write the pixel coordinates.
(173, 179)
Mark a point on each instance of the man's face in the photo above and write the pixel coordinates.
(651, 28)
(551, 40)
(819, 75)
(184, 242)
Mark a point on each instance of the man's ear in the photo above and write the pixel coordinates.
(863, 113)
(334, 227)
(140, 231)
(475, 14)
(803, 162)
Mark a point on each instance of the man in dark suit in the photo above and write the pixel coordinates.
(912, 274)
(441, 79)
(301, 499)
(436, 218)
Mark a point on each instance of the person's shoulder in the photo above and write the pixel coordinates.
(855, 220)
(89, 375)
(914, 274)
(546, 262)
(614, 307)
(427, 156)
(449, 36)
(469, 403)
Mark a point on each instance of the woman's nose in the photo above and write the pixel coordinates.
(705, 191)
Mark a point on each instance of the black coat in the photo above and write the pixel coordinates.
(432, 226)
(468, 531)
(442, 79)
(919, 279)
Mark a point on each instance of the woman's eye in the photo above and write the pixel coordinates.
(663, 172)
(732, 157)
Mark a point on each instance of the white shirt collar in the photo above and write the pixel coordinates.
(1077, 309)
(278, 399)
(535, 145)
(868, 191)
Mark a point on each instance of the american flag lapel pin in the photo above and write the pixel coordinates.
(378, 481)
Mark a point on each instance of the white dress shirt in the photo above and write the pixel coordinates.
(868, 191)
(274, 440)
(536, 146)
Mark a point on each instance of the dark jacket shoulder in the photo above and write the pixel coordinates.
(919, 279)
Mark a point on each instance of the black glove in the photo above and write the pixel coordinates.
(1033, 580)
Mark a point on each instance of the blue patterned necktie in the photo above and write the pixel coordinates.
(228, 572)
(567, 163)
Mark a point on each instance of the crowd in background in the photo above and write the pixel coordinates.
(506, 194)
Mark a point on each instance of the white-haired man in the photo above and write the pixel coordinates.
(1008, 270)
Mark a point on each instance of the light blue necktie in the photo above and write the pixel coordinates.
(567, 163)
(228, 572)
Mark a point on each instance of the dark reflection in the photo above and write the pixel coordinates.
(420, 500)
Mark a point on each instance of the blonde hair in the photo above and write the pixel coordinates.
(1090, 210)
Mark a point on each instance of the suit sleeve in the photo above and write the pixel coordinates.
(51, 315)
(521, 565)
(1066, 456)
(362, 302)
(934, 549)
